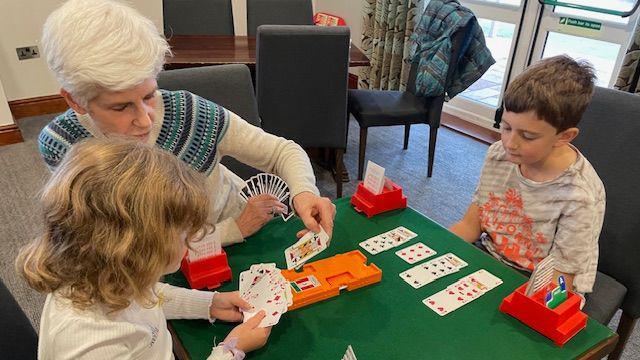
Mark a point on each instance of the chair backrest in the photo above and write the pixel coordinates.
(301, 81)
(227, 85)
(609, 139)
(197, 17)
(19, 339)
(278, 12)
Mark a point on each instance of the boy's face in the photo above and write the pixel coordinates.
(529, 140)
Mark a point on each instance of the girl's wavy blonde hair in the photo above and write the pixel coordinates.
(115, 213)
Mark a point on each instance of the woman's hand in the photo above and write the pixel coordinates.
(258, 211)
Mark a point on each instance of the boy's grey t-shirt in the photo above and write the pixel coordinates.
(524, 220)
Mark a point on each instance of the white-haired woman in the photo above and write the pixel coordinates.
(106, 57)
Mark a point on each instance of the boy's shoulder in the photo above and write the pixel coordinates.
(496, 152)
(585, 176)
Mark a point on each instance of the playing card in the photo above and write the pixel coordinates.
(484, 280)
(462, 292)
(415, 253)
(444, 302)
(417, 277)
(454, 260)
(387, 240)
(400, 235)
(264, 287)
(376, 244)
(310, 245)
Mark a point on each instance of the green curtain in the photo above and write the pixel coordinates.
(386, 28)
(630, 70)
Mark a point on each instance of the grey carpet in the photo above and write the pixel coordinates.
(443, 198)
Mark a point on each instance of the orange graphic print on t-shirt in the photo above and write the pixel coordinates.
(511, 230)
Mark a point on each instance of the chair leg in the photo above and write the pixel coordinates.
(346, 133)
(363, 146)
(407, 130)
(625, 328)
(433, 133)
(339, 154)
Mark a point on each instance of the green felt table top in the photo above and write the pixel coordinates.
(386, 320)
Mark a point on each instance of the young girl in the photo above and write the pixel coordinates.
(118, 215)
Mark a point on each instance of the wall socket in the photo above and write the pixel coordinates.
(28, 52)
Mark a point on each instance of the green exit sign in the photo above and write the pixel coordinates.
(592, 25)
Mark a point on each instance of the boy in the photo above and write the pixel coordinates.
(537, 194)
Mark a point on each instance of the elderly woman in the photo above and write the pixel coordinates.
(106, 57)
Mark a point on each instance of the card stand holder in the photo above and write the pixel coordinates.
(559, 324)
(371, 204)
(323, 279)
(209, 272)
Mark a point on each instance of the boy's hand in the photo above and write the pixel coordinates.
(227, 306)
(469, 228)
(250, 336)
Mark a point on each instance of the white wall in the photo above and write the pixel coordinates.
(5, 114)
(21, 25)
(349, 10)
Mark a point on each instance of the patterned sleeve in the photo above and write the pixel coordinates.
(51, 150)
(575, 245)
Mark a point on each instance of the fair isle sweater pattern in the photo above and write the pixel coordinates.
(191, 129)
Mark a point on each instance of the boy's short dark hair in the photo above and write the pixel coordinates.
(558, 89)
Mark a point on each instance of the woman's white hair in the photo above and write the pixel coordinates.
(94, 45)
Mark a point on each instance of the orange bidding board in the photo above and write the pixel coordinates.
(325, 278)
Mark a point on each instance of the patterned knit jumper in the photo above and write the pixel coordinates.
(191, 130)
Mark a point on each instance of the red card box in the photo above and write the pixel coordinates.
(559, 324)
(209, 272)
(390, 198)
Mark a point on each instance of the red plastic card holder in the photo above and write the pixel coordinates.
(559, 324)
(370, 204)
(209, 272)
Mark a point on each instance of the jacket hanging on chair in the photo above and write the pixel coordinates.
(432, 43)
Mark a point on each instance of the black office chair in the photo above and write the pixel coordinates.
(19, 339)
(227, 85)
(197, 17)
(387, 108)
(301, 81)
(609, 140)
(278, 12)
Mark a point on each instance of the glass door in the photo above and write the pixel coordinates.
(519, 32)
(598, 37)
(500, 21)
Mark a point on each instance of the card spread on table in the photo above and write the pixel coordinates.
(462, 292)
(387, 240)
(416, 252)
(374, 177)
(264, 287)
(310, 245)
(427, 272)
(269, 184)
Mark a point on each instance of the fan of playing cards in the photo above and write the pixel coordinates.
(264, 287)
(272, 185)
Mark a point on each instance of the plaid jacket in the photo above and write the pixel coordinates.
(432, 43)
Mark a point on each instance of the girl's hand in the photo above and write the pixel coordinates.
(227, 306)
(250, 336)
